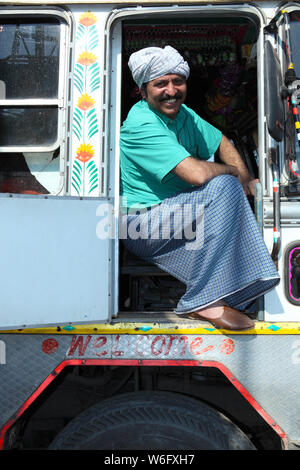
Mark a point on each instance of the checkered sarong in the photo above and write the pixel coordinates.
(227, 258)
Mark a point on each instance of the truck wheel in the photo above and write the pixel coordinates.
(151, 421)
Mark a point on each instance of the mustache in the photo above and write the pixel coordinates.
(167, 97)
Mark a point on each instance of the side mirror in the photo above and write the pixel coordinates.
(273, 101)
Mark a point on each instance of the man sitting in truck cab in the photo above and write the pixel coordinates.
(166, 181)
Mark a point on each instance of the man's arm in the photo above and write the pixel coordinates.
(230, 156)
(198, 172)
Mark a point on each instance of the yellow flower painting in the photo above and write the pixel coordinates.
(87, 58)
(85, 152)
(85, 102)
(87, 19)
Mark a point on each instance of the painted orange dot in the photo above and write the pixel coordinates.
(227, 346)
(49, 346)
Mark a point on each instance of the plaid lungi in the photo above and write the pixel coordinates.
(207, 238)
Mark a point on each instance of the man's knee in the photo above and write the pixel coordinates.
(226, 188)
(225, 181)
(226, 184)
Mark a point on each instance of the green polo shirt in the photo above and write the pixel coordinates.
(151, 145)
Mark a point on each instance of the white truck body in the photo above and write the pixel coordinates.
(62, 270)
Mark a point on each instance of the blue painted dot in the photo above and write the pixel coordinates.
(274, 327)
(68, 328)
(146, 328)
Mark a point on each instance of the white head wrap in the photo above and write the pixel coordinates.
(153, 62)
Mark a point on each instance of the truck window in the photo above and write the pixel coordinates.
(31, 102)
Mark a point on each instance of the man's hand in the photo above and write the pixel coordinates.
(249, 186)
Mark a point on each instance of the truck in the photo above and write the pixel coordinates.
(92, 355)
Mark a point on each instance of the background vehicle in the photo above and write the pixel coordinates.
(91, 355)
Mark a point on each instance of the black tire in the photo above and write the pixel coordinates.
(151, 421)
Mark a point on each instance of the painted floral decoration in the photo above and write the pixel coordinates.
(85, 152)
(86, 58)
(85, 172)
(88, 19)
(85, 102)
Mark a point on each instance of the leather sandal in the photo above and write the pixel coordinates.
(230, 320)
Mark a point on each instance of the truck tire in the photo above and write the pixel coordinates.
(151, 421)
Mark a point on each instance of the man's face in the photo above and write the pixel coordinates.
(166, 94)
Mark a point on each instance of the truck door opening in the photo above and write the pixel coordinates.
(222, 88)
